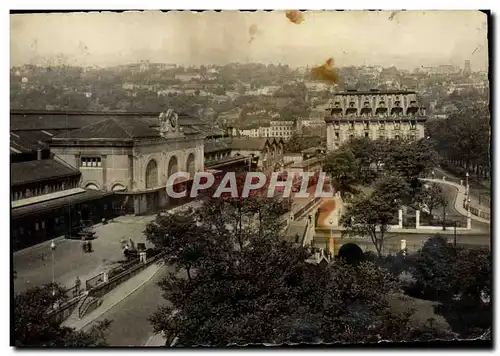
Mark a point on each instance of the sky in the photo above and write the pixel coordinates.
(407, 39)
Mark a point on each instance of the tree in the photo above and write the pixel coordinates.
(342, 168)
(460, 279)
(33, 327)
(393, 190)
(434, 198)
(433, 268)
(369, 216)
(179, 236)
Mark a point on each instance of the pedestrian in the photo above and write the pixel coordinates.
(78, 285)
(84, 246)
(90, 246)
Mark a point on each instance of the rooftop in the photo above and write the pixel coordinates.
(252, 143)
(374, 92)
(35, 171)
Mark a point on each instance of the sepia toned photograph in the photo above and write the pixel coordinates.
(216, 179)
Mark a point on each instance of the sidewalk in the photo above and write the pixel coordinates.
(115, 296)
(458, 203)
(33, 265)
(477, 190)
(157, 340)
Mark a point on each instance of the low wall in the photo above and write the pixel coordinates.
(64, 310)
(114, 282)
(479, 213)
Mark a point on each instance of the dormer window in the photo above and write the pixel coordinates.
(381, 104)
(337, 104)
(351, 104)
(397, 103)
(366, 104)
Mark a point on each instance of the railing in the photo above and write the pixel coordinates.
(83, 305)
(306, 207)
(117, 270)
(94, 281)
(73, 292)
(478, 212)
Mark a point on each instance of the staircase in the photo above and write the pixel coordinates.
(86, 304)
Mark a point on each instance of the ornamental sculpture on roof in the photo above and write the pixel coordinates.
(169, 122)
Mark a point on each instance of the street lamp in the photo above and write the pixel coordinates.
(53, 248)
(331, 237)
(467, 183)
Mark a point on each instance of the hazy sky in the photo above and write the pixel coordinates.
(408, 40)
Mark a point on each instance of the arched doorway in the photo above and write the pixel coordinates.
(151, 174)
(191, 166)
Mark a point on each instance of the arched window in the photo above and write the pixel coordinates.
(172, 166)
(118, 187)
(151, 175)
(92, 186)
(191, 166)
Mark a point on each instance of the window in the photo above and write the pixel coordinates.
(351, 136)
(367, 125)
(351, 125)
(397, 125)
(381, 135)
(337, 125)
(413, 125)
(412, 137)
(367, 104)
(37, 227)
(43, 224)
(337, 104)
(396, 137)
(337, 135)
(91, 162)
(382, 125)
(397, 103)
(351, 104)
(366, 134)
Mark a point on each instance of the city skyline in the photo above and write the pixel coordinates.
(407, 40)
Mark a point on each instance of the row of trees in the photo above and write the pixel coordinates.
(464, 139)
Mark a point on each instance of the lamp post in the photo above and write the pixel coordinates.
(331, 237)
(53, 248)
(444, 217)
(455, 234)
(467, 184)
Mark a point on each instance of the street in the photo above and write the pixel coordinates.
(451, 214)
(130, 326)
(414, 242)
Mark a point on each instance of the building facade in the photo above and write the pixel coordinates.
(374, 114)
(132, 157)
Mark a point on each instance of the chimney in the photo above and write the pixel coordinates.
(39, 154)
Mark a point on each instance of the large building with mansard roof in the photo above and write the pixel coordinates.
(374, 114)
